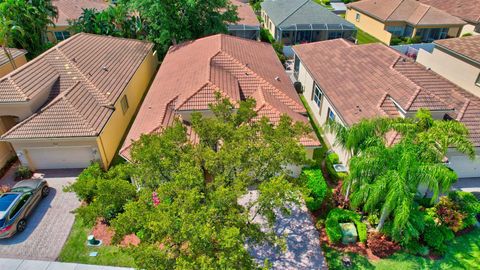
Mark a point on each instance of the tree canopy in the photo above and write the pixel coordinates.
(25, 24)
(188, 214)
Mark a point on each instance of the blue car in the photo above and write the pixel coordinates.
(18, 204)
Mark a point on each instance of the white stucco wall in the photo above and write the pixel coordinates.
(455, 69)
(468, 28)
(464, 166)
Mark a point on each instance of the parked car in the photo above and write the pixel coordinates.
(18, 204)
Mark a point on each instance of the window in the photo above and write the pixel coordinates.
(357, 17)
(124, 103)
(334, 34)
(396, 30)
(477, 82)
(19, 205)
(317, 95)
(331, 115)
(62, 35)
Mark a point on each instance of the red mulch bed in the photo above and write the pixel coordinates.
(103, 232)
(130, 239)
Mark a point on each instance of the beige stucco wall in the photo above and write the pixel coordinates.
(6, 149)
(7, 67)
(321, 113)
(458, 71)
(369, 25)
(469, 28)
(114, 131)
(268, 23)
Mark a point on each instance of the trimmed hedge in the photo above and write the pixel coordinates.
(337, 216)
(317, 188)
(332, 159)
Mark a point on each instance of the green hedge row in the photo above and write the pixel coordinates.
(332, 159)
(337, 216)
(316, 186)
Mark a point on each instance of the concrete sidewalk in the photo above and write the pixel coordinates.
(13, 264)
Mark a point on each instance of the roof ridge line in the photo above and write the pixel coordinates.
(461, 113)
(102, 98)
(425, 13)
(295, 11)
(17, 88)
(51, 103)
(193, 94)
(77, 113)
(391, 13)
(379, 105)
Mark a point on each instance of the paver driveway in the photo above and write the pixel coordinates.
(50, 223)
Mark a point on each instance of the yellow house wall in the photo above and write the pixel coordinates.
(6, 150)
(267, 23)
(113, 132)
(369, 25)
(57, 28)
(7, 67)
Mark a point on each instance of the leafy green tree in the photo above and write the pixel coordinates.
(114, 21)
(174, 21)
(33, 17)
(189, 215)
(7, 28)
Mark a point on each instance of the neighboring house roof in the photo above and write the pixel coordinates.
(245, 13)
(84, 75)
(365, 81)
(285, 13)
(468, 47)
(410, 11)
(468, 10)
(73, 9)
(238, 68)
(14, 52)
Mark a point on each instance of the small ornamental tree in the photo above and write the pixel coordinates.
(194, 219)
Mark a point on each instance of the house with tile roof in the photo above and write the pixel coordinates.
(72, 104)
(69, 10)
(347, 83)
(301, 21)
(467, 10)
(193, 72)
(19, 59)
(456, 59)
(388, 19)
(248, 26)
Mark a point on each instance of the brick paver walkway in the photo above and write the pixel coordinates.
(49, 225)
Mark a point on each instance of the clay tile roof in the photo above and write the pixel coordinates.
(14, 52)
(378, 81)
(72, 9)
(193, 71)
(468, 10)
(410, 11)
(83, 76)
(468, 47)
(245, 13)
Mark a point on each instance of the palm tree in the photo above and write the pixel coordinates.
(7, 28)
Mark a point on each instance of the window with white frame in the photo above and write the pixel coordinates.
(477, 82)
(317, 95)
(124, 103)
(61, 35)
(331, 115)
(357, 17)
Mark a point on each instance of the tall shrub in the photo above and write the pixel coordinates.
(316, 186)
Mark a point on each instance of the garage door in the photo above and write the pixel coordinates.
(465, 167)
(60, 157)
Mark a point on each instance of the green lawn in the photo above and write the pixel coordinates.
(463, 253)
(364, 38)
(76, 250)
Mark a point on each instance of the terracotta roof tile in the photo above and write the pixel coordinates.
(468, 47)
(364, 81)
(468, 10)
(192, 72)
(245, 13)
(73, 74)
(73, 9)
(410, 11)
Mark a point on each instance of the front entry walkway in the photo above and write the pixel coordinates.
(13, 264)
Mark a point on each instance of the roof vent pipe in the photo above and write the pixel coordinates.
(277, 79)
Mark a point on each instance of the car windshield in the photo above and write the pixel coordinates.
(22, 189)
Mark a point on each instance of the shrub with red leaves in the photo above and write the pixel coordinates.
(449, 214)
(380, 245)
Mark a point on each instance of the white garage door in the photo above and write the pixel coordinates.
(61, 157)
(465, 167)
